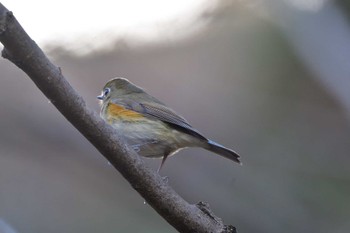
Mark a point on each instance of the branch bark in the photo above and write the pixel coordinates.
(20, 49)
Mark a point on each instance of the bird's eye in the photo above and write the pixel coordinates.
(106, 91)
(104, 94)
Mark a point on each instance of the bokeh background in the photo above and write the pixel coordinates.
(269, 79)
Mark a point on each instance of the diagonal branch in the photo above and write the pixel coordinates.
(20, 49)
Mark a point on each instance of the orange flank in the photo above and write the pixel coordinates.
(115, 111)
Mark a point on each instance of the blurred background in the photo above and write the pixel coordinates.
(268, 78)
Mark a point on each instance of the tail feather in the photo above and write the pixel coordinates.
(223, 151)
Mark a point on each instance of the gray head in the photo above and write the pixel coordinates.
(117, 87)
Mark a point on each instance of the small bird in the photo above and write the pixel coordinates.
(150, 127)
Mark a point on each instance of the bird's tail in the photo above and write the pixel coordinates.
(223, 151)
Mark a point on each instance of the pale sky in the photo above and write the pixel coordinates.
(78, 24)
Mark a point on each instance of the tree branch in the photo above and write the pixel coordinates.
(20, 49)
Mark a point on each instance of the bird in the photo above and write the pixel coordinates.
(148, 126)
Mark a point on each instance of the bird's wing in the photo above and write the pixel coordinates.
(161, 112)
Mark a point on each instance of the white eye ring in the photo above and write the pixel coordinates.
(106, 91)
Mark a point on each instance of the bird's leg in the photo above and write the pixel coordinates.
(165, 178)
(162, 163)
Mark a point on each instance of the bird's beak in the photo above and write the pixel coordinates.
(100, 97)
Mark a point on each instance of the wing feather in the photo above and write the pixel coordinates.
(161, 112)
